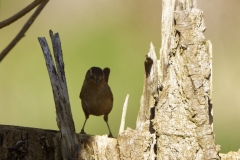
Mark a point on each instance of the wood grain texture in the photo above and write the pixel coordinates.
(34, 143)
(69, 143)
(43, 144)
(182, 116)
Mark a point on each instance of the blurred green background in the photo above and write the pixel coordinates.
(113, 34)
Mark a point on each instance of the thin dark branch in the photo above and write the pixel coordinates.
(23, 30)
(20, 13)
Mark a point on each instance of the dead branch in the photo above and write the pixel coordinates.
(20, 14)
(69, 141)
(24, 29)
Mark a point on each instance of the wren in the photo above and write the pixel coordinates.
(96, 95)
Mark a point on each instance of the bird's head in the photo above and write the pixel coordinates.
(95, 74)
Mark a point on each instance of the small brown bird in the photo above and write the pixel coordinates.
(96, 95)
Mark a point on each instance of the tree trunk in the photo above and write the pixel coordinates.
(175, 119)
(183, 114)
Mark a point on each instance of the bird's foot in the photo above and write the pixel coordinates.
(82, 132)
(110, 135)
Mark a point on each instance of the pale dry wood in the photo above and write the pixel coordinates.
(150, 91)
(124, 112)
(230, 155)
(182, 119)
(135, 145)
(98, 147)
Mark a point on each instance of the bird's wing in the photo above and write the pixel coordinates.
(106, 72)
(81, 95)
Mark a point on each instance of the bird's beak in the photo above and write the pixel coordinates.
(97, 82)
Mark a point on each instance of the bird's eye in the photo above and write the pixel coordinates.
(91, 76)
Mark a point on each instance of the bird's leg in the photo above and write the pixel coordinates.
(82, 130)
(106, 120)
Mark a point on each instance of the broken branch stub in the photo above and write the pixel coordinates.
(150, 92)
(69, 141)
(124, 111)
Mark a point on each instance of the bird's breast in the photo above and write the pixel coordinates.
(96, 99)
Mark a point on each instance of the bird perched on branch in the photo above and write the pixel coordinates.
(96, 95)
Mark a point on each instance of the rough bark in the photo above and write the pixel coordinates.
(28, 143)
(183, 112)
(177, 90)
(41, 144)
